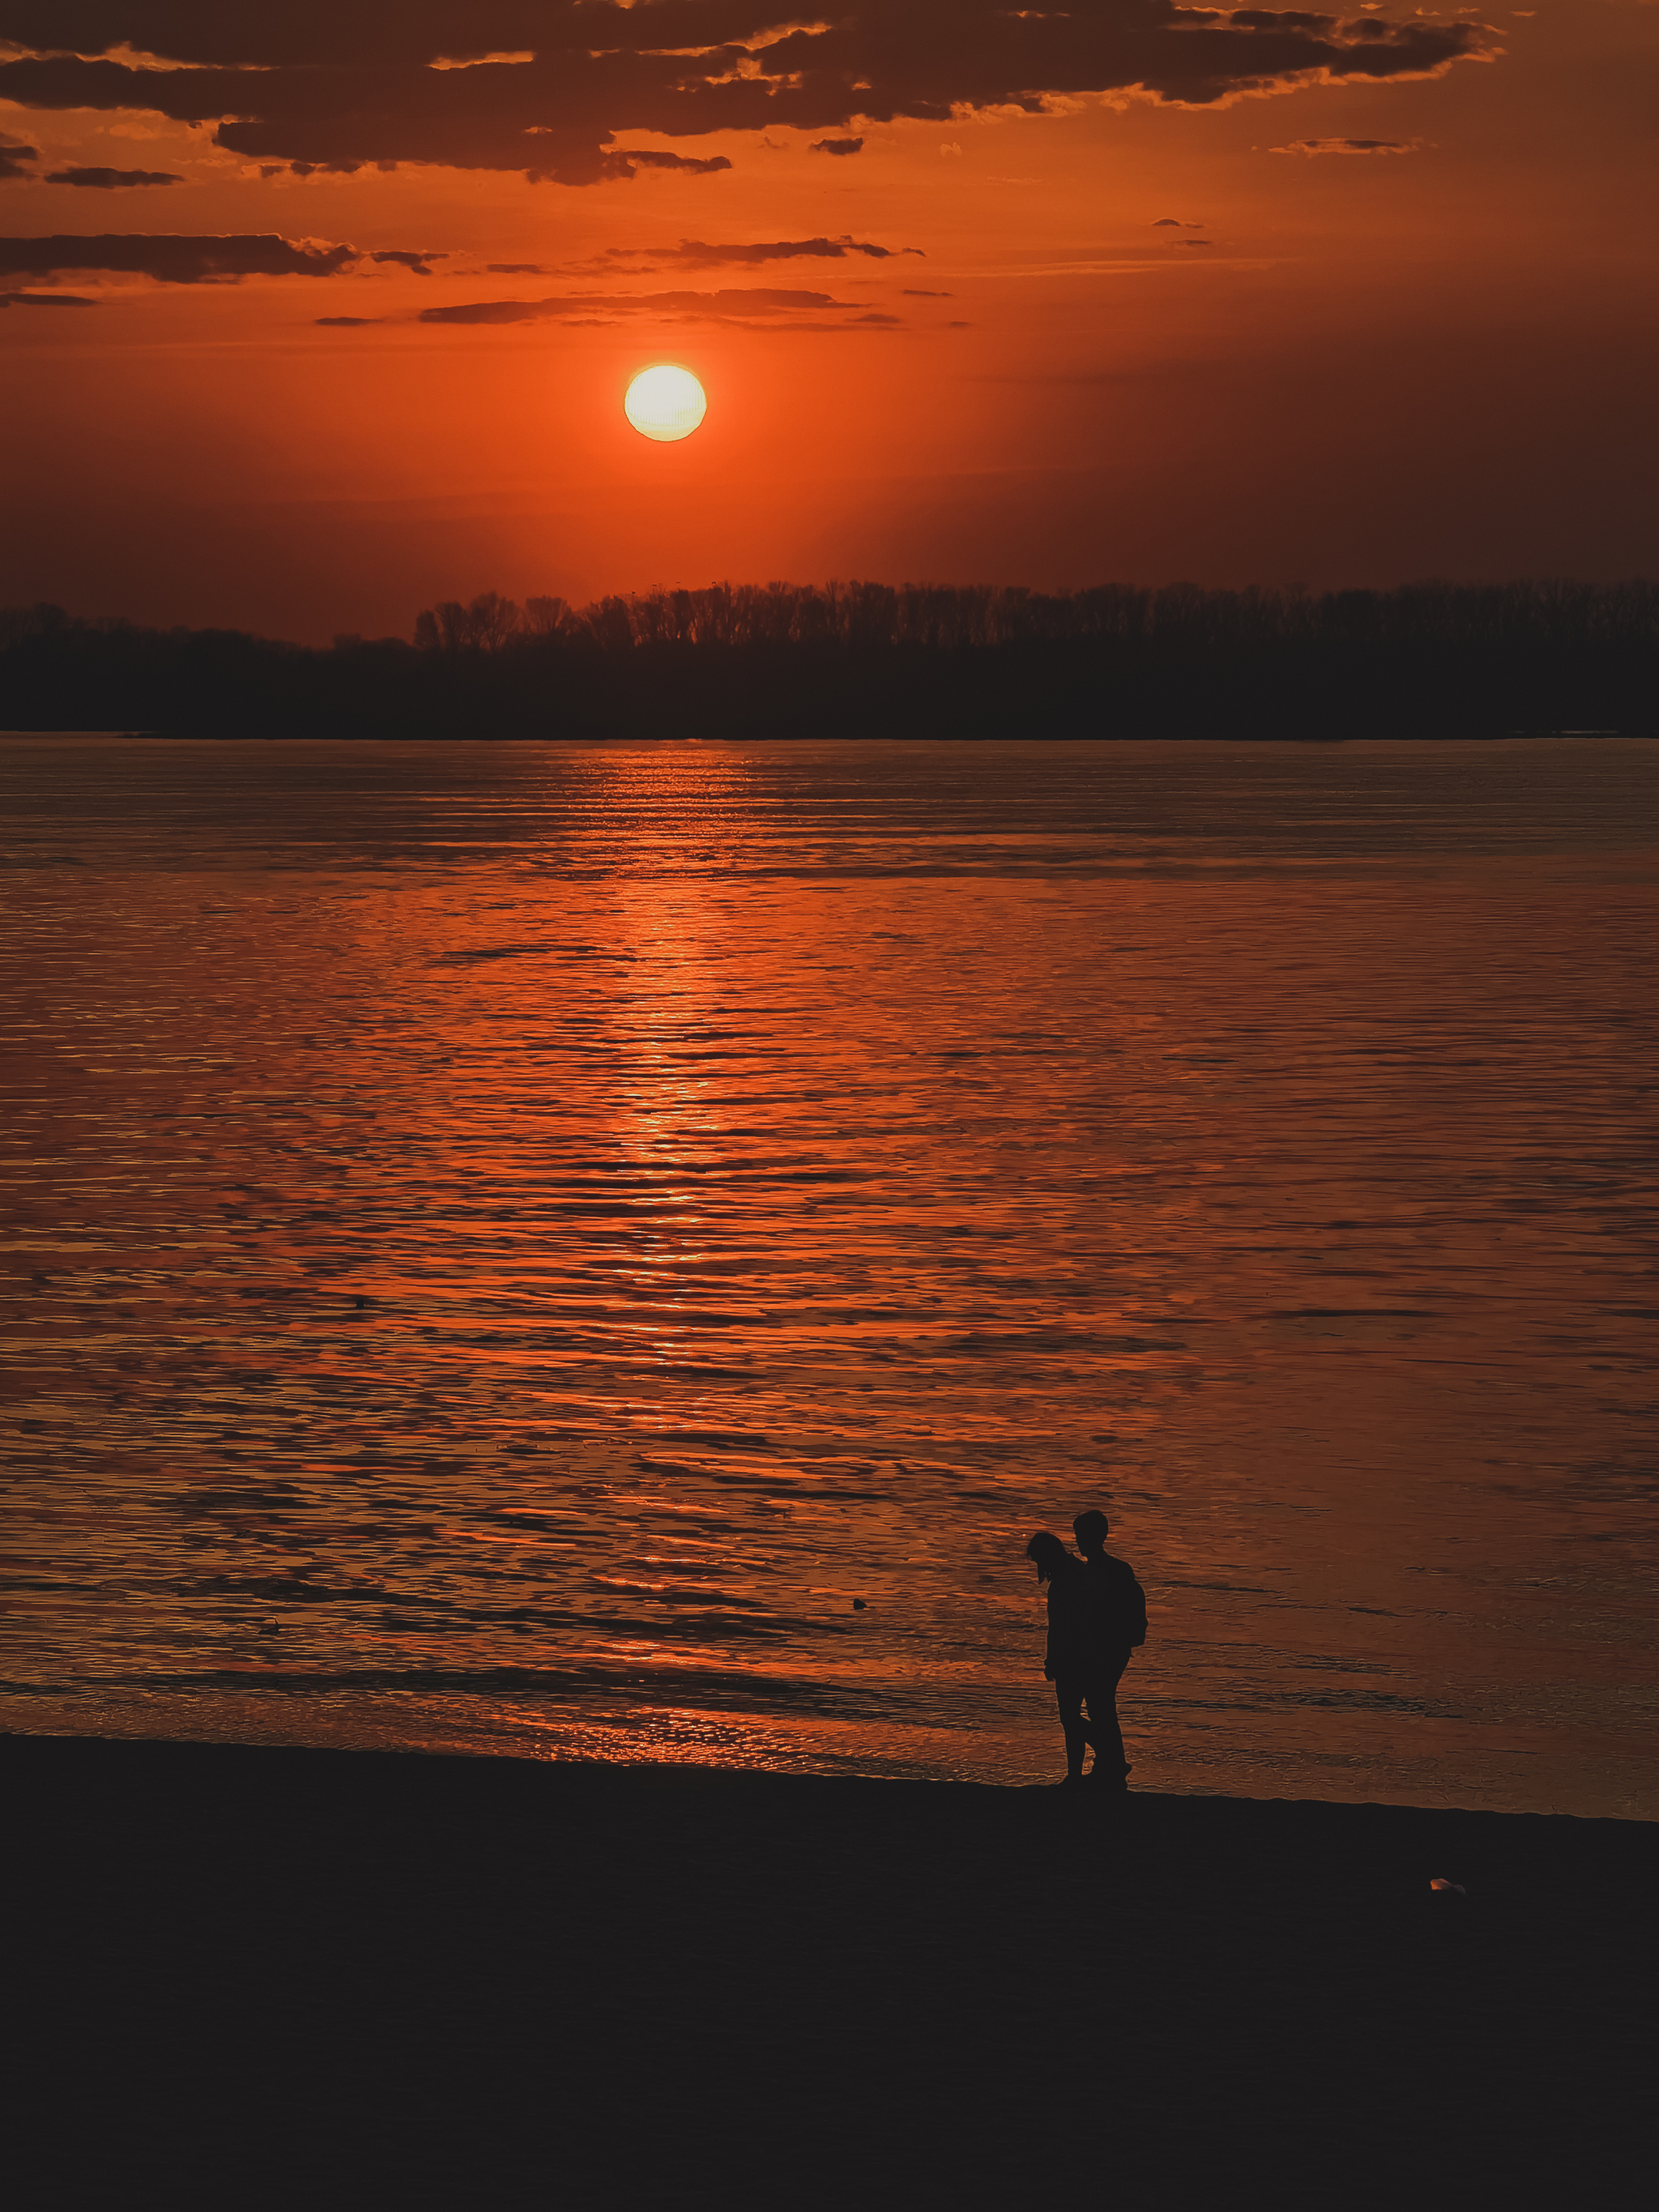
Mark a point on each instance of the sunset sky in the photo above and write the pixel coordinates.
(321, 310)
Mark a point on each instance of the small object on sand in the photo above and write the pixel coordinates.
(271, 1629)
(1439, 1881)
(858, 1605)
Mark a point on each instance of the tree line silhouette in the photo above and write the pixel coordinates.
(877, 660)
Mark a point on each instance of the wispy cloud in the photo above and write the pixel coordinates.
(44, 300)
(693, 253)
(1309, 147)
(177, 260)
(739, 304)
(416, 263)
(110, 180)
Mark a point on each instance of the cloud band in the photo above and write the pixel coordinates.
(360, 82)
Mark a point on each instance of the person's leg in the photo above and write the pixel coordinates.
(1068, 1695)
(1104, 1731)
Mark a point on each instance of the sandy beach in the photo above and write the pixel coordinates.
(261, 1976)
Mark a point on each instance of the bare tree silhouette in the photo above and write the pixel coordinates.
(1428, 659)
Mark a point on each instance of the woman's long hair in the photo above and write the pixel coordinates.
(1049, 1554)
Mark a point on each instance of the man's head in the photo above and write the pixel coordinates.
(1092, 1530)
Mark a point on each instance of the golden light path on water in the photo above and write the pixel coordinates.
(549, 1228)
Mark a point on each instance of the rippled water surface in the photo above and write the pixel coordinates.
(548, 1230)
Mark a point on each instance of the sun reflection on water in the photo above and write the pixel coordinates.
(554, 1230)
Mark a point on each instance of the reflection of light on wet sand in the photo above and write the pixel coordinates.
(405, 1722)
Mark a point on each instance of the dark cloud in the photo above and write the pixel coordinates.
(516, 269)
(1309, 146)
(109, 180)
(12, 159)
(345, 322)
(175, 260)
(692, 253)
(836, 146)
(416, 262)
(352, 82)
(44, 300)
(715, 306)
(624, 162)
(908, 295)
(886, 320)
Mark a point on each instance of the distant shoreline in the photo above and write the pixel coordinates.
(703, 738)
(784, 663)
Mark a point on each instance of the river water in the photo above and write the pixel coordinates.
(510, 1244)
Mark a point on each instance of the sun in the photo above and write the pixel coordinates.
(664, 403)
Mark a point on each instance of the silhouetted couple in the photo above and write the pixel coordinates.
(1097, 1618)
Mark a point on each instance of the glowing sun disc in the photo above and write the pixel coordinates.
(664, 403)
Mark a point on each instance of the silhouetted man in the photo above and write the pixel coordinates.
(1117, 1613)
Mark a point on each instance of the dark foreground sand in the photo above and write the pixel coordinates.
(305, 1978)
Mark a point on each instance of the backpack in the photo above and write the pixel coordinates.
(1134, 1608)
(1123, 1606)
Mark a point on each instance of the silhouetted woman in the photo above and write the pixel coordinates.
(1070, 1640)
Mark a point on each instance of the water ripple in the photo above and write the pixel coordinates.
(548, 1231)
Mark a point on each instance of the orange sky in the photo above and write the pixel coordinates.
(1377, 365)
